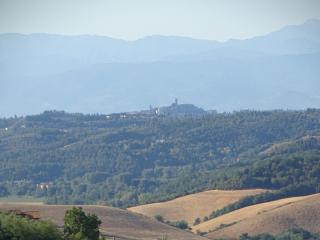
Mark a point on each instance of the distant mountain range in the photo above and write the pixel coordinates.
(99, 74)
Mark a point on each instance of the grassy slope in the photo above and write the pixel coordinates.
(190, 207)
(114, 221)
(271, 217)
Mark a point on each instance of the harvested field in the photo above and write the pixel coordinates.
(192, 206)
(271, 217)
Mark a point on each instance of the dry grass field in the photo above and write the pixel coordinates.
(190, 207)
(115, 222)
(271, 217)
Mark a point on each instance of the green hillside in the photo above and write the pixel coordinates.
(125, 159)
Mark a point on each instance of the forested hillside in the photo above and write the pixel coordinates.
(129, 159)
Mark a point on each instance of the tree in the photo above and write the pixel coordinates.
(197, 221)
(180, 224)
(81, 226)
(14, 227)
(159, 218)
(3, 191)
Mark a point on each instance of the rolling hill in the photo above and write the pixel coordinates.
(115, 222)
(271, 217)
(142, 159)
(192, 206)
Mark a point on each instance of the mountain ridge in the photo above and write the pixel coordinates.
(311, 21)
(163, 68)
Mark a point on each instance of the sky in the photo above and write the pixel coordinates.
(132, 19)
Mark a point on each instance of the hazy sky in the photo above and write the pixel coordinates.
(131, 19)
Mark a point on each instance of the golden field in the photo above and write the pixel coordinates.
(192, 206)
(272, 217)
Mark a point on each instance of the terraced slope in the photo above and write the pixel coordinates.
(115, 222)
(192, 206)
(271, 217)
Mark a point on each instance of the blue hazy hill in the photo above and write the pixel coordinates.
(100, 74)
